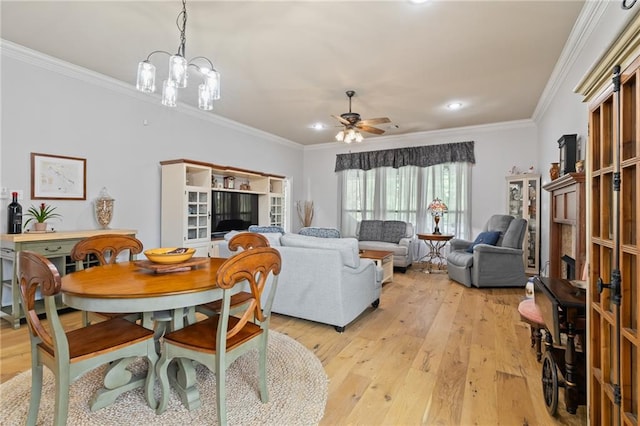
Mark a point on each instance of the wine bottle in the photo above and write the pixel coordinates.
(15, 216)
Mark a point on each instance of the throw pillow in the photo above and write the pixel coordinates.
(266, 229)
(370, 230)
(393, 231)
(488, 237)
(320, 232)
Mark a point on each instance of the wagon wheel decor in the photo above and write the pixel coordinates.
(550, 383)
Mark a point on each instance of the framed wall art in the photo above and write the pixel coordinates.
(56, 177)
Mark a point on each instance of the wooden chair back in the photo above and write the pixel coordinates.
(106, 248)
(247, 240)
(254, 266)
(37, 272)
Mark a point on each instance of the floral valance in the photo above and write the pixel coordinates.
(421, 156)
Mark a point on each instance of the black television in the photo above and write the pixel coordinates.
(232, 211)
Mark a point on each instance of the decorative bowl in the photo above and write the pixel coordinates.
(169, 255)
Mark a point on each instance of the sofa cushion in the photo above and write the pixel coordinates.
(320, 232)
(487, 237)
(370, 230)
(393, 231)
(384, 246)
(348, 247)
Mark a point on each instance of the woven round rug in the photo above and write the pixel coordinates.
(297, 386)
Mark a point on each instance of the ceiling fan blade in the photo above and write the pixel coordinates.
(370, 121)
(342, 120)
(369, 129)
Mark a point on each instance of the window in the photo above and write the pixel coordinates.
(404, 193)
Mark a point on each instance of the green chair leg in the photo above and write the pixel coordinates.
(62, 398)
(221, 389)
(36, 392)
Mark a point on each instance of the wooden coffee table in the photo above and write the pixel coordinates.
(383, 259)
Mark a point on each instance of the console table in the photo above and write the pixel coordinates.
(435, 244)
(54, 245)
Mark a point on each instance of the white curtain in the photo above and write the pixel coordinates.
(386, 193)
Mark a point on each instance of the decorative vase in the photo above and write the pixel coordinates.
(104, 208)
(580, 166)
(40, 226)
(554, 171)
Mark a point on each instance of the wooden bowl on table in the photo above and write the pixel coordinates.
(169, 255)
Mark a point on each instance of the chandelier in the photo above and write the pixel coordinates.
(348, 135)
(208, 90)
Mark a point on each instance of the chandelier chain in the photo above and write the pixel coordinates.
(183, 29)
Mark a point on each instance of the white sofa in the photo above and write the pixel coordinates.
(322, 279)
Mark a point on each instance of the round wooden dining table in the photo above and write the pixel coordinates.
(127, 287)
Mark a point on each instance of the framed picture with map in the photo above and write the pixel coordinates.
(56, 177)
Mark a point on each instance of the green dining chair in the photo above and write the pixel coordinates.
(220, 339)
(71, 354)
(105, 248)
(245, 241)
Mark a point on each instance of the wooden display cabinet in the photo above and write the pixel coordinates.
(523, 201)
(613, 175)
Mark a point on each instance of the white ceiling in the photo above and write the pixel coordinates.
(285, 65)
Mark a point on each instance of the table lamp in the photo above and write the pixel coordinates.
(437, 209)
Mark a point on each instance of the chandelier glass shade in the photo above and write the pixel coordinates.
(208, 90)
(348, 135)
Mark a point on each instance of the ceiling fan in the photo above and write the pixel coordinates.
(352, 123)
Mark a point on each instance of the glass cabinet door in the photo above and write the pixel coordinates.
(523, 202)
(276, 213)
(197, 215)
(516, 189)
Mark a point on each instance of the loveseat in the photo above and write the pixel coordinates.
(322, 279)
(388, 235)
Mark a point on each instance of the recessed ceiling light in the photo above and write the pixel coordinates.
(317, 126)
(418, 1)
(455, 105)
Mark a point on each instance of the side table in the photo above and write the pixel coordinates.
(435, 244)
(383, 259)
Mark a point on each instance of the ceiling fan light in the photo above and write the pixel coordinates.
(340, 136)
(359, 137)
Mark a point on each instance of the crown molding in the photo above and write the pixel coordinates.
(585, 25)
(622, 51)
(38, 59)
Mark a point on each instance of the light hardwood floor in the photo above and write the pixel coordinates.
(434, 353)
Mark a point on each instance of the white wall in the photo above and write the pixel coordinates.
(565, 112)
(55, 108)
(498, 147)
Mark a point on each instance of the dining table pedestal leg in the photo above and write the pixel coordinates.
(182, 376)
(117, 380)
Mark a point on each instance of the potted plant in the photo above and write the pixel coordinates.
(41, 215)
